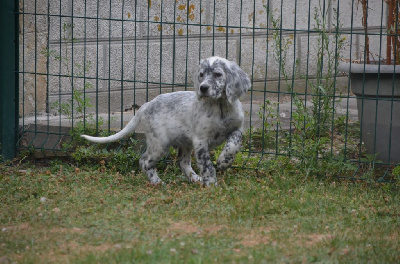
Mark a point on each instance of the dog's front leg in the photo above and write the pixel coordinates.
(184, 154)
(229, 151)
(204, 163)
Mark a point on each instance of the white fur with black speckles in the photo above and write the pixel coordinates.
(196, 120)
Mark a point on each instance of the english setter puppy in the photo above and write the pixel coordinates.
(200, 120)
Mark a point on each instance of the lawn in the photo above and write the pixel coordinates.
(63, 213)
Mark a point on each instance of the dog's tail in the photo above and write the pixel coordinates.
(127, 130)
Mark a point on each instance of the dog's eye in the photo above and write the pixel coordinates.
(217, 74)
(201, 75)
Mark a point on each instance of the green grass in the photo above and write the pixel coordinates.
(60, 213)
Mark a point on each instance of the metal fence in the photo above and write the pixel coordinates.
(89, 65)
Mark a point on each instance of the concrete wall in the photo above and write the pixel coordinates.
(129, 47)
(33, 40)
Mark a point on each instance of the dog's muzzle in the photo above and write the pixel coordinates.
(204, 88)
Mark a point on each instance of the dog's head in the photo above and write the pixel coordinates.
(217, 77)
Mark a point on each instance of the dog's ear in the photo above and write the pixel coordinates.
(237, 82)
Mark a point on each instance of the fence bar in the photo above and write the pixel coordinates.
(8, 78)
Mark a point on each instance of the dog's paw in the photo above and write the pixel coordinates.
(156, 181)
(224, 162)
(210, 181)
(194, 178)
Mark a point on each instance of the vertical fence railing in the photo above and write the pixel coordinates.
(8, 78)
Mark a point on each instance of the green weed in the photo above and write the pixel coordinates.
(313, 134)
(75, 107)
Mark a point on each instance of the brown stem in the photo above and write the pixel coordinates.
(365, 24)
(390, 39)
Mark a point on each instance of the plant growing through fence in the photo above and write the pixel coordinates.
(267, 112)
(313, 123)
(74, 108)
(76, 105)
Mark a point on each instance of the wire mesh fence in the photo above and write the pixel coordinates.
(88, 65)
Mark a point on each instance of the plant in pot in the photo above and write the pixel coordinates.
(376, 84)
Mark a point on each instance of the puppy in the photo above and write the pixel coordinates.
(200, 120)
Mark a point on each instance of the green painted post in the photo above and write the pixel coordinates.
(8, 78)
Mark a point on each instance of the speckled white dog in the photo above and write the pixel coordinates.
(199, 120)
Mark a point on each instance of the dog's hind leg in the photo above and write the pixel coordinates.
(184, 154)
(148, 164)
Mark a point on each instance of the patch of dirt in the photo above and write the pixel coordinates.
(254, 241)
(183, 227)
(314, 239)
(64, 251)
(22, 226)
(394, 236)
(76, 247)
(254, 238)
(187, 228)
(63, 230)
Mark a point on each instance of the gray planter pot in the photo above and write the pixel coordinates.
(378, 104)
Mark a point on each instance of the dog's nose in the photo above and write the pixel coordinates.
(204, 88)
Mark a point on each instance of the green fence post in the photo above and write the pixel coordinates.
(8, 78)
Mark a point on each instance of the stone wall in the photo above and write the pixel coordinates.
(124, 53)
